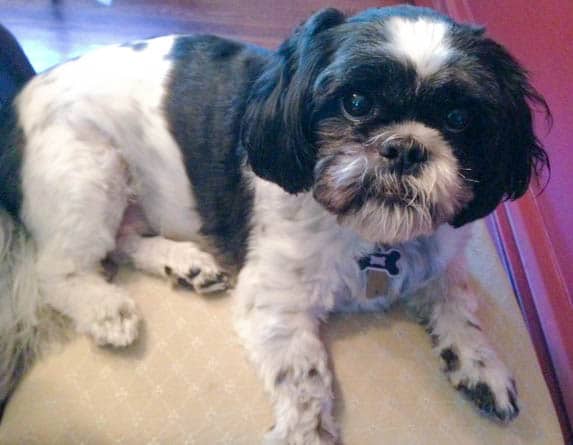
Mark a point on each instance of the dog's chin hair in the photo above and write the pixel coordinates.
(391, 208)
(389, 223)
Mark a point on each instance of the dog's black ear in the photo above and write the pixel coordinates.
(276, 130)
(519, 155)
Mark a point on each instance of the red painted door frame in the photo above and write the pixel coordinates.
(526, 241)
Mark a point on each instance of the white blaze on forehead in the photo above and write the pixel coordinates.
(422, 42)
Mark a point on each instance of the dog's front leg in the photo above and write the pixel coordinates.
(283, 342)
(447, 308)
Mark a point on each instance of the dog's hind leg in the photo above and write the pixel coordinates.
(73, 212)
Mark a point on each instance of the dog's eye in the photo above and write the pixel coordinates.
(356, 104)
(457, 120)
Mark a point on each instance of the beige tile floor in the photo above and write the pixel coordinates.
(187, 380)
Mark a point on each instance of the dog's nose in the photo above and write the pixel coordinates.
(404, 156)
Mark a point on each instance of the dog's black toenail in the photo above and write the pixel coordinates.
(184, 283)
(473, 325)
(313, 372)
(514, 404)
(514, 386)
(435, 339)
(281, 376)
(168, 271)
(193, 272)
(222, 276)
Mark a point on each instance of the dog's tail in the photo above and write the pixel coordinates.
(19, 304)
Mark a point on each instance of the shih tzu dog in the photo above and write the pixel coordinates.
(338, 173)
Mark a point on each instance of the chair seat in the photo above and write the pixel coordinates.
(187, 379)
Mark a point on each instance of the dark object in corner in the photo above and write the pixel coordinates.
(15, 71)
(15, 68)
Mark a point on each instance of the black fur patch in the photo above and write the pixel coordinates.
(509, 96)
(282, 375)
(482, 395)
(205, 104)
(278, 125)
(451, 360)
(435, 339)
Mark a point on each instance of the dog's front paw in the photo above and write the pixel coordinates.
(113, 322)
(318, 436)
(303, 408)
(484, 380)
(321, 434)
(199, 272)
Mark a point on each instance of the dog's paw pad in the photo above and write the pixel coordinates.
(116, 326)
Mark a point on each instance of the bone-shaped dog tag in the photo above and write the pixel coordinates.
(380, 267)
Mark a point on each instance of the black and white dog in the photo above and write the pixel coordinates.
(198, 157)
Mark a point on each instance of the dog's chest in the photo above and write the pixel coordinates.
(297, 246)
(365, 276)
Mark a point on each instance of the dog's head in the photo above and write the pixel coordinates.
(398, 119)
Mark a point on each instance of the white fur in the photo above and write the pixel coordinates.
(422, 42)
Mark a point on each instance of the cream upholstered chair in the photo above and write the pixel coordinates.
(187, 380)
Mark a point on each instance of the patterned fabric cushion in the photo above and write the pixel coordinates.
(187, 380)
